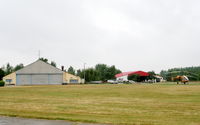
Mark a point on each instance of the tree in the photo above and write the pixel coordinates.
(71, 70)
(44, 59)
(106, 72)
(2, 74)
(101, 69)
(111, 72)
(9, 69)
(91, 75)
(18, 67)
(79, 73)
(53, 63)
(101, 72)
(151, 75)
(163, 73)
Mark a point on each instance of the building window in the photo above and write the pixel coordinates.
(9, 80)
(73, 81)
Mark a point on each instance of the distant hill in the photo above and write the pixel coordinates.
(193, 73)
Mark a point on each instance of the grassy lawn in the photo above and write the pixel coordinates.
(134, 104)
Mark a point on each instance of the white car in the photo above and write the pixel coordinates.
(131, 81)
(112, 81)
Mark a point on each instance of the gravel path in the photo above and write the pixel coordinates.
(26, 121)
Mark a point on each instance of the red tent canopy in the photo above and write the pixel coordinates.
(140, 73)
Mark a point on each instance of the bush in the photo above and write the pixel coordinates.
(2, 83)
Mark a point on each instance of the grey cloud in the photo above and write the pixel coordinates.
(133, 35)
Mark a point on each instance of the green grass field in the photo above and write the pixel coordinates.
(134, 104)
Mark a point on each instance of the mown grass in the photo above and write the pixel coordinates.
(133, 104)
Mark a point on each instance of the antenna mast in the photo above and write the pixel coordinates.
(39, 54)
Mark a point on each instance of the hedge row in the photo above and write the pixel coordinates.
(2, 83)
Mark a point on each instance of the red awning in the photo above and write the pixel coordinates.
(140, 73)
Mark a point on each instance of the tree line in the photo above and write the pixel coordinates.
(5, 70)
(193, 73)
(103, 72)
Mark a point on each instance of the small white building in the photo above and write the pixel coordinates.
(159, 78)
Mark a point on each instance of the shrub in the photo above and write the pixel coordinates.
(2, 83)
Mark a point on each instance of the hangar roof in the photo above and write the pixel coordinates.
(140, 73)
(39, 67)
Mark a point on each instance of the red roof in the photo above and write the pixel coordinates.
(140, 73)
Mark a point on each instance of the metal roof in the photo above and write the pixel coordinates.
(140, 73)
(39, 67)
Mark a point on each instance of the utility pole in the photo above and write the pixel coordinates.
(84, 71)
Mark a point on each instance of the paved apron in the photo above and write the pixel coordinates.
(25, 121)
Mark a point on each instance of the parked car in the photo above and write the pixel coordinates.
(112, 81)
(131, 81)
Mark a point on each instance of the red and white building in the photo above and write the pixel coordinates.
(124, 75)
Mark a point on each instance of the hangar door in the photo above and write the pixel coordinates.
(23, 80)
(39, 79)
(56, 79)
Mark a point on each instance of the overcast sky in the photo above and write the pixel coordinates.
(130, 34)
